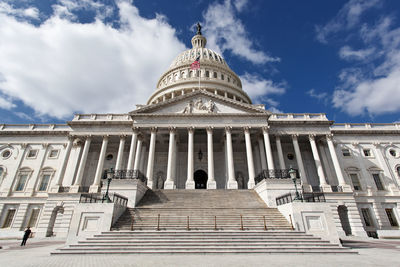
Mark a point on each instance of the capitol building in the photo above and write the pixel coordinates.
(200, 132)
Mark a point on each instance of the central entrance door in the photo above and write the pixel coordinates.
(200, 179)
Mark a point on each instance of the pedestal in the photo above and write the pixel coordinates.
(169, 185)
(189, 185)
(94, 189)
(232, 185)
(211, 185)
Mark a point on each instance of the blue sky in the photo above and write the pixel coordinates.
(80, 56)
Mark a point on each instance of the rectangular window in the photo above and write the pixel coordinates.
(367, 152)
(391, 217)
(32, 153)
(366, 216)
(355, 181)
(346, 153)
(53, 153)
(21, 182)
(33, 218)
(378, 181)
(44, 183)
(9, 218)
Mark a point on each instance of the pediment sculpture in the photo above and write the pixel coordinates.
(197, 106)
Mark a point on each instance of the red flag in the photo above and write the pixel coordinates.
(196, 64)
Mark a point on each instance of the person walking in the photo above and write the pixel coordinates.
(26, 236)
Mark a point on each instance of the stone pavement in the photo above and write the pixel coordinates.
(37, 253)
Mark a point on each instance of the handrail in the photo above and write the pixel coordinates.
(265, 224)
(133, 221)
(241, 222)
(304, 197)
(158, 222)
(98, 198)
(215, 222)
(273, 174)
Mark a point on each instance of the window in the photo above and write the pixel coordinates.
(109, 157)
(44, 182)
(290, 156)
(393, 152)
(346, 152)
(33, 219)
(355, 181)
(222, 77)
(378, 181)
(1, 171)
(215, 75)
(21, 182)
(53, 153)
(6, 154)
(9, 218)
(367, 152)
(398, 171)
(366, 216)
(32, 153)
(391, 217)
(207, 74)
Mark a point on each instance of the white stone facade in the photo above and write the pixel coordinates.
(200, 136)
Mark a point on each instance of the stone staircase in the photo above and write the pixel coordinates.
(200, 242)
(202, 210)
(201, 221)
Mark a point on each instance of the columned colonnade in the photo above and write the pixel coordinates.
(265, 152)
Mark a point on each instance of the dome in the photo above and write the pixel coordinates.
(215, 75)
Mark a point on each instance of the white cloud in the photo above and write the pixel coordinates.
(6, 103)
(260, 89)
(224, 31)
(347, 53)
(348, 17)
(21, 13)
(320, 96)
(63, 66)
(240, 4)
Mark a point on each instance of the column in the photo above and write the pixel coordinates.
(190, 165)
(120, 155)
(169, 182)
(250, 163)
(300, 165)
(280, 153)
(262, 154)
(138, 153)
(336, 165)
(132, 150)
(211, 183)
(232, 183)
(322, 179)
(150, 161)
(268, 149)
(94, 188)
(60, 175)
(81, 168)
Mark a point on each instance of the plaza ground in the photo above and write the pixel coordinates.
(37, 253)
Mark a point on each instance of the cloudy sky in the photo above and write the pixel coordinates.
(59, 57)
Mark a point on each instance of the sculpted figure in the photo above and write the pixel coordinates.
(211, 106)
(199, 104)
(189, 107)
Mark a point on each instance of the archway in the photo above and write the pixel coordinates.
(200, 179)
(53, 217)
(344, 219)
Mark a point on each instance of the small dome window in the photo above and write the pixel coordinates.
(222, 77)
(6, 154)
(207, 74)
(215, 75)
(393, 152)
(109, 157)
(290, 156)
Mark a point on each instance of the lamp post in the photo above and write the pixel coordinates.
(109, 177)
(293, 176)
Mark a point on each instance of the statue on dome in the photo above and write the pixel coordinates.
(198, 28)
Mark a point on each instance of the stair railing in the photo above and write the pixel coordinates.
(291, 222)
(215, 223)
(265, 224)
(158, 222)
(241, 222)
(188, 227)
(133, 220)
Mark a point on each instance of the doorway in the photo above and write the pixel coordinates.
(344, 219)
(200, 179)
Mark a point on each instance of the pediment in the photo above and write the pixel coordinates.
(200, 102)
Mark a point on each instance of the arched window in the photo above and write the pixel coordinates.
(398, 171)
(23, 176)
(45, 178)
(215, 75)
(207, 74)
